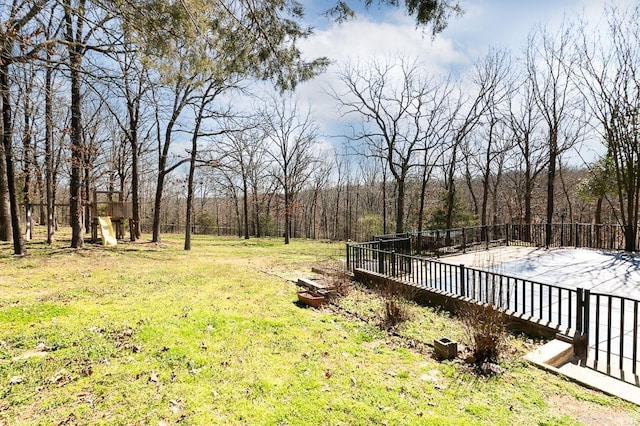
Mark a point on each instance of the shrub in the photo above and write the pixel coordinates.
(396, 309)
(485, 333)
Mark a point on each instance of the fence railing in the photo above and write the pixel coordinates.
(608, 323)
(579, 235)
(456, 240)
(614, 331)
(442, 242)
(539, 301)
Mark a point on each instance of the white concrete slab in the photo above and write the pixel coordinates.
(552, 357)
(615, 273)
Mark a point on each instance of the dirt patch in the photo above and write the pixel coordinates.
(588, 413)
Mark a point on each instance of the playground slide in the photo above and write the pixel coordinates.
(106, 231)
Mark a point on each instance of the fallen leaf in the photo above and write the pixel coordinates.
(174, 406)
(327, 373)
(15, 380)
(57, 377)
(153, 377)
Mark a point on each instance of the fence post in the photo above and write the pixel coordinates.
(381, 256)
(547, 235)
(579, 310)
(486, 236)
(463, 291)
(576, 234)
(464, 242)
(393, 263)
(349, 268)
(585, 316)
(506, 233)
(437, 243)
(581, 344)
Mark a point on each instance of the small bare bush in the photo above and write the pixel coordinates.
(396, 309)
(341, 282)
(396, 312)
(484, 330)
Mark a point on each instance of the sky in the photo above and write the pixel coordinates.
(388, 31)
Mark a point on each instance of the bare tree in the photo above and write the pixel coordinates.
(610, 71)
(28, 110)
(181, 92)
(243, 151)
(389, 99)
(83, 20)
(550, 62)
(20, 40)
(491, 142)
(465, 113)
(530, 158)
(51, 31)
(207, 92)
(128, 85)
(436, 121)
(291, 138)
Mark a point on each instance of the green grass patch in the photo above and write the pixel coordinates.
(150, 334)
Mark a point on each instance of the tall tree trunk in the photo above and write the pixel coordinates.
(49, 172)
(551, 178)
(27, 157)
(245, 205)
(86, 210)
(192, 172)
(133, 110)
(287, 215)
(384, 199)
(451, 190)
(423, 195)
(5, 205)
(256, 208)
(77, 148)
(400, 206)
(181, 93)
(135, 198)
(7, 133)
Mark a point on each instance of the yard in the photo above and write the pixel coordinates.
(150, 334)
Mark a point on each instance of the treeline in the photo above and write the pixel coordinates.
(356, 208)
(166, 103)
(100, 92)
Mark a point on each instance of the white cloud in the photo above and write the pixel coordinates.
(362, 39)
(388, 32)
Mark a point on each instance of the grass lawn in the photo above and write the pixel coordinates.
(150, 334)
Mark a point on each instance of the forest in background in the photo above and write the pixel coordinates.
(173, 107)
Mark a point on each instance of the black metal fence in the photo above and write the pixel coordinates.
(442, 242)
(614, 335)
(608, 322)
(579, 235)
(459, 240)
(539, 301)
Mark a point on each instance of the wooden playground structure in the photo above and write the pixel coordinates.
(102, 204)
